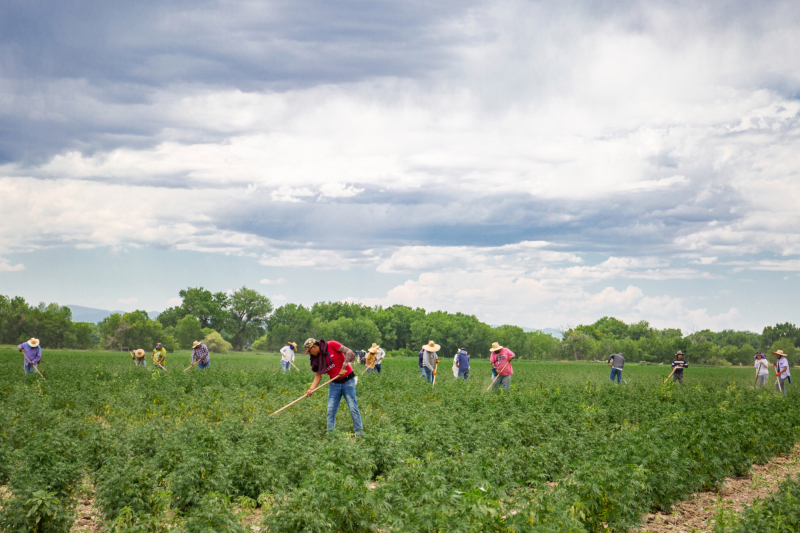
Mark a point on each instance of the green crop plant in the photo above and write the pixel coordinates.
(564, 450)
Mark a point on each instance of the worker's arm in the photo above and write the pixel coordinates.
(313, 385)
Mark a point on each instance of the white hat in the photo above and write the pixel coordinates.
(495, 347)
(33, 343)
(431, 347)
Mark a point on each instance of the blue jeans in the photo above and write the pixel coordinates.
(616, 372)
(28, 368)
(378, 367)
(203, 366)
(782, 386)
(502, 381)
(422, 371)
(286, 365)
(141, 362)
(335, 393)
(463, 373)
(428, 373)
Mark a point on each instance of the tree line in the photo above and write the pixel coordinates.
(246, 319)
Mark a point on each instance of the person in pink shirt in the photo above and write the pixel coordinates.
(501, 363)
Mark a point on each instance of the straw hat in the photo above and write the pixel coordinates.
(33, 343)
(374, 345)
(779, 353)
(495, 347)
(431, 347)
(195, 344)
(139, 353)
(374, 349)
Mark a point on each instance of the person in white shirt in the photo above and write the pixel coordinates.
(762, 369)
(379, 355)
(287, 356)
(782, 370)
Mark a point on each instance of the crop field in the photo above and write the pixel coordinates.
(564, 450)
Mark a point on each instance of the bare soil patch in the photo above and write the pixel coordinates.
(693, 515)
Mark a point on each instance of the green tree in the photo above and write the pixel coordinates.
(773, 334)
(248, 311)
(188, 330)
(210, 309)
(84, 335)
(290, 322)
(355, 333)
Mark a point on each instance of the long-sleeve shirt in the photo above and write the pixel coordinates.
(616, 360)
(762, 367)
(200, 354)
(462, 359)
(501, 361)
(679, 365)
(421, 355)
(287, 354)
(34, 355)
(429, 360)
(782, 366)
(379, 356)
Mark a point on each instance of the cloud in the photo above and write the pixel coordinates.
(128, 300)
(6, 266)
(278, 281)
(279, 298)
(174, 302)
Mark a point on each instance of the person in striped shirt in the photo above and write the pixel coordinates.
(678, 364)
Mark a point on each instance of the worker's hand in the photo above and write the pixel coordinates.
(434, 372)
(309, 392)
(343, 371)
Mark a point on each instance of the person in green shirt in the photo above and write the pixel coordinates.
(159, 355)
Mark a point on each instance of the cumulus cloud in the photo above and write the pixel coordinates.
(278, 281)
(522, 150)
(6, 266)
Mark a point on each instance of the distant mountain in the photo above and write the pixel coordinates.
(90, 314)
(550, 331)
(554, 332)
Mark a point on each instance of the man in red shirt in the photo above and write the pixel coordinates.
(334, 359)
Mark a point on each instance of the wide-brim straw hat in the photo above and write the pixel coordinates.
(195, 344)
(780, 353)
(293, 345)
(375, 345)
(431, 347)
(139, 353)
(374, 349)
(495, 347)
(33, 343)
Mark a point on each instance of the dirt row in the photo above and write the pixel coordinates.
(694, 515)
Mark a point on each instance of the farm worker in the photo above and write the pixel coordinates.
(372, 359)
(287, 356)
(462, 362)
(762, 368)
(333, 358)
(32, 354)
(678, 364)
(616, 361)
(782, 370)
(200, 355)
(429, 359)
(501, 362)
(421, 366)
(379, 355)
(138, 357)
(159, 354)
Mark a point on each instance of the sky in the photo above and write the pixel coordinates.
(542, 164)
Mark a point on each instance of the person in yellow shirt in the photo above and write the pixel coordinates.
(159, 355)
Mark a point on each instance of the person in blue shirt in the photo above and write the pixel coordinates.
(32, 353)
(462, 362)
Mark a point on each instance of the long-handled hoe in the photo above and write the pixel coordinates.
(159, 366)
(435, 368)
(371, 366)
(670, 374)
(34, 366)
(291, 363)
(498, 375)
(190, 366)
(301, 397)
